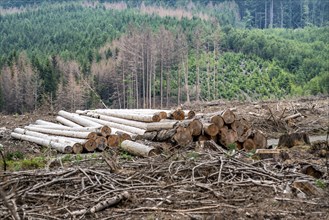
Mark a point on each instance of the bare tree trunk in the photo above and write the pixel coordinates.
(123, 85)
(179, 88)
(168, 88)
(271, 14)
(281, 9)
(197, 85)
(208, 80)
(161, 75)
(265, 24)
(143, 70)
(186, 79)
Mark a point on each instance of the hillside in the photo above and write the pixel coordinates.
(154, 54)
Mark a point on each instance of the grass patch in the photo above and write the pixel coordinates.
(26, 164)
(125, 155)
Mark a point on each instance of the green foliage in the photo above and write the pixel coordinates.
(16, 155)
(192, 155)
(26, 164)
(320, 183)
(125, 155)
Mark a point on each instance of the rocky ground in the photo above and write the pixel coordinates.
(185, 183)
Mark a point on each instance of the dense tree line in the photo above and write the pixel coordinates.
(72, 55)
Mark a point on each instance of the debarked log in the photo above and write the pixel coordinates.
(60, 147)
(137, 149)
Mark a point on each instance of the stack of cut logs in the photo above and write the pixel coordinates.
(90, 130)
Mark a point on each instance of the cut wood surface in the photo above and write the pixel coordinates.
(294, 139)
(137, 149)
(67, 122)
(249, 145)
(60, 147)
(217, 120)
(195, 127)
(101, 143)
(210, 129)
(77, 119)
(228, 116)
(77, 148)
(259, 139)
(113, 140)
(183, 136)
(90, 145)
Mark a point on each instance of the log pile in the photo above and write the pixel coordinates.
(91, 130)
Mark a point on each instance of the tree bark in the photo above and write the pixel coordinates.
(67, 122)
(77, 119)
(137, 149)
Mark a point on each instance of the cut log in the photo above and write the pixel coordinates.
(77, 119)
(101, 143)
(267, 153)
(103, 122)
(217, 120)
(44, 142)
(307, 188)
(178, 114)
(249, 145)
(74, 134)
(190, 114)
(77, 148)
(210, 129)
(195, 127)
(123, 136)
(228, 116)
(294, 139)
(131, 116)
(65, 128)
(137, 149)
(105, 131)
(183, 136)
(227, 136)
(93, 136)
(60, 139)
(90, 145)
(158, 126)
(259, 139)
(150, 135)
(42, 122)
(124, 128)
(293, 116)
(113, 140)
(165, 135)
(203, 138)
(67, 122)
(242, 128)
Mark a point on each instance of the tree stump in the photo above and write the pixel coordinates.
(294, 139)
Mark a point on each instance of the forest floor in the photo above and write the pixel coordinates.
(179, 184)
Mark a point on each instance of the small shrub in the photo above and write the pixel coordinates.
(320, 183)
(125, 155)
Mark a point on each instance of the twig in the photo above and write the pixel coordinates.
(12, 208)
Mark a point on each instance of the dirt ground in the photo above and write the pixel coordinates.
(184, 183)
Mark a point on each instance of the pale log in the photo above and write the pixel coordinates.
(84, 129)
(60, 147)
(121, 127)
(293, 116)
(74, 134)
(66, 140)
(131, 116)
(137, 148)
(267, 153)
(42, 122)
(77, 119)
(107, 123)
(67, 122)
